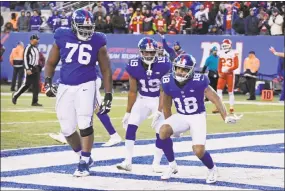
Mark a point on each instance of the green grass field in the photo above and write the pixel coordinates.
(21, 129)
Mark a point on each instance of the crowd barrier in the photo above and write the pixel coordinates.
(122, 47)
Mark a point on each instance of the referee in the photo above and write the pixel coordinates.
(31, 64)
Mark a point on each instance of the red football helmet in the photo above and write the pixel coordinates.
(227, 45)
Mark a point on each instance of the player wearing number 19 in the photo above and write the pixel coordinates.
(78, 49)
(145, 75)
(187, 89)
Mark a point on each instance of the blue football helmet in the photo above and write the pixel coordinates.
(83, 24)
(187, 62)
(148, 50)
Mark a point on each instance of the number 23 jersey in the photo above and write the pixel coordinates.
(78, 57)
(189, 99)
(148, 85)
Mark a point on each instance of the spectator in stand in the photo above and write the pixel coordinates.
(28, 15)
(23, 22)
(65, 21)
(171, 29)
(251, 24)
(178, 21)
(99, 8)
(263, 26)
(148, 23)
(118, 23)
(5, 6)
(166, 15)
(190, 22)
(100, 24)
(35, 22)
(159, 24)
(108, 25)
(14, 21)
(8, 27)
(125, 12)
(136, 24)
(202, 19)
(54, 20)
(239, 24)
(1, 21)
(276, 22)
(230, 16)
(183, 9)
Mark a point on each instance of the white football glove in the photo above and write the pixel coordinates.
(225, 70)
(232, 119)
(155, 118)
(125, 120)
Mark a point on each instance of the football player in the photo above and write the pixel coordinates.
(187, 89)
(104, 118)
(78, 48)
(144, 98)
(228, 62)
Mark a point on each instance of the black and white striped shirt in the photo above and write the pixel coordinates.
(31, 56)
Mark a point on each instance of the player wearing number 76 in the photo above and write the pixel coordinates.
(79, 48)
(144, 98)
(187, 89)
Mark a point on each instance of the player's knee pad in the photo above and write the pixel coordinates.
(165, 131)
(131, 132)
(86, 132)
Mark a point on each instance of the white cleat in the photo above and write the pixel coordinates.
(157, 168)
(59, 137)
(82, 170)
(212, 175)
(112, 141)
(124, 166)
(172, 169)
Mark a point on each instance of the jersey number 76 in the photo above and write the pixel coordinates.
(83, 57)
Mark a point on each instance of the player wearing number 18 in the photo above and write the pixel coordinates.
(187, 89)
(78, 49)
(145, 75)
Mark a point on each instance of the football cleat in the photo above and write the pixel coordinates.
(58, 137)
(172, 169)
(212, 175)
(157, 168)
(113, 141)
(91, 162)
(124, 166)
(82, 169)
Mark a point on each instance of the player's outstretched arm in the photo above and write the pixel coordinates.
(50, 66)
(279, 54)
(212, 95)
(105, 67)
(167, 104)
(132, 95)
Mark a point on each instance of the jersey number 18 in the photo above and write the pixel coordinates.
(189, 104)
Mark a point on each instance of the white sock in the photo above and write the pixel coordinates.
(220, 94)
(86, 159)
(173, 163)
(231, 99)
(115, 136)
(130, 150)
(78, 153)
(157, 156)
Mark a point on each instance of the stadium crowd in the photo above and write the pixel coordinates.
(232, 18)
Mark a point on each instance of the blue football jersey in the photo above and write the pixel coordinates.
(78, 57)
(189, 99)
(148, 85)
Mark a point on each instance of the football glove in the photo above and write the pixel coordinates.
(126, 120)
(232, 119)
(155, 118)
(51, 90)
(105, 107)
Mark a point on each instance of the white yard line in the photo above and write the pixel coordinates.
(119, 118)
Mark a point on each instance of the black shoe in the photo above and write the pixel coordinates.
(251, 98)
(14, 99)
(37, 104)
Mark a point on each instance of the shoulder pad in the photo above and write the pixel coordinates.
(100, 38)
